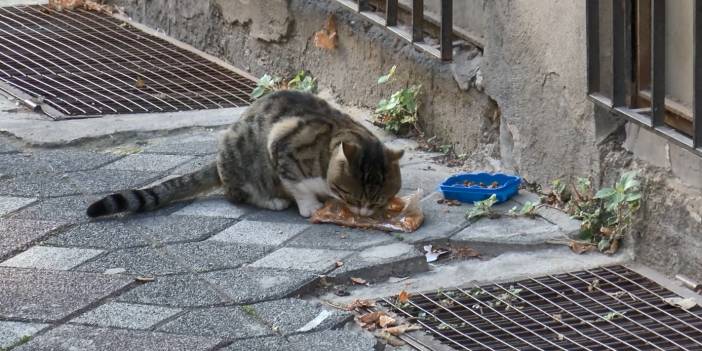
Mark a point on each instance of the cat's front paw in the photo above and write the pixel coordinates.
(308, 208)
(277, 204)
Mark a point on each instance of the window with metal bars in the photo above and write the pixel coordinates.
(645, 64)
(388, 13)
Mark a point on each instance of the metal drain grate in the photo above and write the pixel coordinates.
(82, 64)
(602, 309)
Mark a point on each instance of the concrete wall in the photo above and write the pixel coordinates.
(535, 69)
(277, 39)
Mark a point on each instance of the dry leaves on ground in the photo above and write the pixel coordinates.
(326, 38)
(359, 281)
(580, 247)
(684, 303)
(358, 303)
(403, 296)
(90, 5)
(139, 83)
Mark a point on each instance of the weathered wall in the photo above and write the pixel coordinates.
(277, 38)
(536, 71)
(669, 226)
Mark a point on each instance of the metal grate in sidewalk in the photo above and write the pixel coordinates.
(610, 308)
(85, 64)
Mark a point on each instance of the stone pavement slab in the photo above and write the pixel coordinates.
(16, 234)
(126, 315)
(65, 209)
(186, 290)
(53, 161)
(146, 261)
(82, 338)
(198, 144)
(210, 255)
(509, 231)
(315, 260)
(250, 284)
(51, 295)
(12, 332)
(10, 203)
(227, 322)
(327, 236)
(148, 162)
(425, 176)
(193, 165)
(82, 182)
(47, 257)
(216, 206)
(138, 230)
(290, 215)
(337, 340)
(260, 233)
(381, 262)
(440, 221)
(290, 316)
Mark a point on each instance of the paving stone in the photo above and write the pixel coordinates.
(214, 207)
(290, 215)
(202, 144)
(6, 148)
(380, 262)
(211, 255)
(440, 221)
(424, 176)
(289, 316)
(126, 315)
(12, 332)
(51, 295)
(337, 340)
(65, 209)
(53, 161)
(138, 231)
(327, 236)
(10, 203)
(249, 284)
(228, 322)
(17, 234)
(178, 291)
(193, 165)
(46, 257)
(138, 261)
(83, 338)
(508, 231)
(148, 162)
(315, 260)
(82, 182)
(260, 233)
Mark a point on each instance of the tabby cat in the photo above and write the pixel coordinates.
(288, 146)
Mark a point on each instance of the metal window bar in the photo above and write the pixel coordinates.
(652, 118)
(417, 33)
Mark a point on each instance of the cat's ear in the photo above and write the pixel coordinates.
(350, 151)
(394, 155)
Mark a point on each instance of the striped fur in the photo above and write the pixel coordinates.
(288, 147)
(148, 199)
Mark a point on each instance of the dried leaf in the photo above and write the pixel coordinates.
(403, 296)
(580, 247)
(360, 304)
(684, 303)
(327, 37)
(556, 317)
(606, 231)
(139, 83)
(385, 321)
(371, 317)
(390, 339)
(339, 264)
(613, 247)
(144, 279)
(591, 287)
(359, 281)
(91, 5)
(60, 5)
(465, 252)
(401, 329)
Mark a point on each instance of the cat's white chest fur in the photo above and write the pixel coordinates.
(306, 192)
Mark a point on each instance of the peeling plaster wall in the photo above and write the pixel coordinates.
(276, 38)
(535, 69)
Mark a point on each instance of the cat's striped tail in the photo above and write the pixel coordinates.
(158, 195)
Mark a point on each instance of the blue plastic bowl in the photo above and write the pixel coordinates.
(453, 188)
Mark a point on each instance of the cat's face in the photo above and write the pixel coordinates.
(365, 177)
